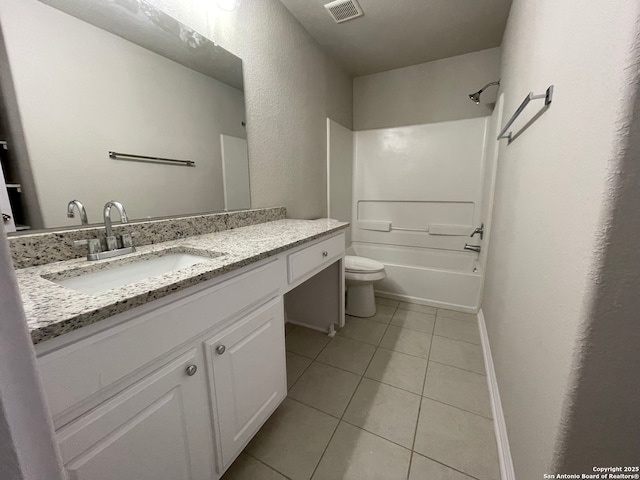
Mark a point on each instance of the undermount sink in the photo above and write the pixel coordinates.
(122, 272)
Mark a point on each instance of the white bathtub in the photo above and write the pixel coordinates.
(439, 278)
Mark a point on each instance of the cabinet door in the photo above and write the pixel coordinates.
(157, 429)
(248, 377)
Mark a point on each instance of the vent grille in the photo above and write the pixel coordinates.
(343, 10)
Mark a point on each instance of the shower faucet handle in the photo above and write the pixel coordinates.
(479, 230)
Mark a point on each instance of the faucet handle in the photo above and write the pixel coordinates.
(479, 230)
(127, 239)
(112, 242)
(94, 244)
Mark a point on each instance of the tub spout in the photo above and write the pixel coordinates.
(472, 248)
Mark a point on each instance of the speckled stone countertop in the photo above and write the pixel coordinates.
(53, 310)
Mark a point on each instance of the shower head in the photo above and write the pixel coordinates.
(475, 97)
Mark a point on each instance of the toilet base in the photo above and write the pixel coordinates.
(361, 301)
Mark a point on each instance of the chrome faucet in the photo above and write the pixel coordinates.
(96, 246)
(479, 230)
(472, 248)
(112, 242)
(83, 213)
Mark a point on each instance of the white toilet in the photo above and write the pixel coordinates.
(359, 274)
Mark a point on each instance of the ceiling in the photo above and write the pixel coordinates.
(399, 33)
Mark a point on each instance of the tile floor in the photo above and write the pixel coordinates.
(398, 396)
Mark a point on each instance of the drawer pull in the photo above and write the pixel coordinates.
(325, 254)
(191, 370)
(220, 349)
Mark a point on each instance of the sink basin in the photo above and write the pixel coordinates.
(120, 273)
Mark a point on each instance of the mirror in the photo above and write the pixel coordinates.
(91, 77)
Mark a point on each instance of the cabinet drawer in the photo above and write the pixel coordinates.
(99, 364)
(311, 258)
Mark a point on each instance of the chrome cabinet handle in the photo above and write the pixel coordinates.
(325, 254)
(220, 349)
(191, 370)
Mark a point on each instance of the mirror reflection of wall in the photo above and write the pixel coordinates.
(82, 92)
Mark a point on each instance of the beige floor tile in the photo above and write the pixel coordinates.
(457, 354)
(458, 329)
(397, 369)
(326, 388)
(384, 410)
(363, 330)
(306, 342)
(383, 313)
(414, 307)
(348, 354)
(387, 301)
(471, 317)
(296, 364)
(407, 341)
(421, 322)
(459, 439)
(425, 469)
(460, 388)
(248, 468)
(293, 439)
(354, 454)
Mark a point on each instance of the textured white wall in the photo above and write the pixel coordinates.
(340, 165)
(550, 221)
(425, 93)
(291, 87)
(76, 105)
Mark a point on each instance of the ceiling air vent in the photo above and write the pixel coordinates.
(343, 10)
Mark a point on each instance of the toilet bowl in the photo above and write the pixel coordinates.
(359, 274)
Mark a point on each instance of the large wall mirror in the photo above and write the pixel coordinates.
(82, 78)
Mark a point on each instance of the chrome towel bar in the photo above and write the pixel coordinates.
(548, 96)
(144, 158)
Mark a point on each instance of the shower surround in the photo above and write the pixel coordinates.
(418, 195)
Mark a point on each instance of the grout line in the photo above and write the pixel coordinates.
(315, 408)
(265, 464)
(407, 354)
(344, 369)
(445, 465)
(412, 329)
(455, 406)
(415, 432)
(370, 319)
(371, 378)
(459, 368)
(362, 376)
(466, 320)
(376, 435)
(348, 403)
(458, 340)
(307, 368)
(394, 386)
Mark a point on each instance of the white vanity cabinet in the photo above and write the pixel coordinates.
(248, 377)
(176, 388)
(157, 429)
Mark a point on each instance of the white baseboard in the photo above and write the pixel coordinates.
(504, 452)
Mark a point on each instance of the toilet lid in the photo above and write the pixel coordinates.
(361, 264)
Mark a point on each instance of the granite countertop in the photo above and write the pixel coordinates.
(53, 310)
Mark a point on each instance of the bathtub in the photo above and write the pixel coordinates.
(440, 278)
